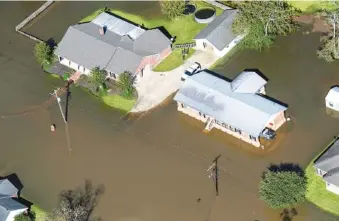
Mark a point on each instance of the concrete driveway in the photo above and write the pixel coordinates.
(155, 87)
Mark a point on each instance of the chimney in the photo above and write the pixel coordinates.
(102, 30)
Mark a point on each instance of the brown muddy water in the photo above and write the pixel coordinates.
(153, 166)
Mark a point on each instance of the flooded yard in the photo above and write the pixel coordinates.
(153, 166)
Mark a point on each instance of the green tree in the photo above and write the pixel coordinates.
(125, 84)
(22, 217)
(43, 53)
(283, 189)
(97, 78)
(261, 21)
(172, 9)
(329, 49)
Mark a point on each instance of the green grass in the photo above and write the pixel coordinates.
(312, 6)
(184, 28)
(39, 213)
(172, 61)
(317, 193)
(119, 102)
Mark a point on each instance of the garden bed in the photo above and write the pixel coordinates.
(317, 193)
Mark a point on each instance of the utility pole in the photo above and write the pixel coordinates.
(214, 174)
(55, 93)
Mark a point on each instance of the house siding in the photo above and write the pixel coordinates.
(204, 117)
(153, 60)
(277, 120)
(211, 48)
(74, 66)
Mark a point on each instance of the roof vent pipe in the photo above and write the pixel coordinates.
(102, 30)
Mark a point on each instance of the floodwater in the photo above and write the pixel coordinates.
(153, 166)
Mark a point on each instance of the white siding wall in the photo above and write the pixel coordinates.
(332, 188)
(13, 214)
(75, 66)
(210, 47)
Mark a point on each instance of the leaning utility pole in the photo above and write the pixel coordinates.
(59, 100)
(214, 174)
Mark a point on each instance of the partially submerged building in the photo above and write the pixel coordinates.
(112, 44)
(238, 108)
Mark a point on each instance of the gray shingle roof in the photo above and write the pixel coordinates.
(214, 97)
(7, 204)
(219, 32)
(329, 162)
(7, 189)
(116, 50)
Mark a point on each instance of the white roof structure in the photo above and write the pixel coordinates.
(247, 82)
(245, 110)
(332, 98)
(118, 26)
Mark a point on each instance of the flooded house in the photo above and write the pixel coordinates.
(327, 167)
(239, 107)
(112, 44)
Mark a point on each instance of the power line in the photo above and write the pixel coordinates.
(230, 178)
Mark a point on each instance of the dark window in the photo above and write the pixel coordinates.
(182, 105)
(253, 138)
(237, 130)
(113, 75)
(204, 115)
(232, 129)
(225, 125)
(331, 104)
(200, 113)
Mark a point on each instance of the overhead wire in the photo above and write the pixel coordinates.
(235, 182)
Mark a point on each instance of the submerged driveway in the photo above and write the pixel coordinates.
(155, 87)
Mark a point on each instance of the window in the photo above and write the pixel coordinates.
(182, 105)
(78, 67)
(232, 128)
(237, 130)
(204, 115)
(330, 103)
(253, 138)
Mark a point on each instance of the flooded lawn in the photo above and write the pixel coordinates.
(153, 166)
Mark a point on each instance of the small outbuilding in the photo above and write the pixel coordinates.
(332, 98)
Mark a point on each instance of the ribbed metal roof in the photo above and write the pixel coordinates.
(249, 112)
(118, 26)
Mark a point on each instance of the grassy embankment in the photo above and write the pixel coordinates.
(311, 6)
(184, 29)
(316, 190)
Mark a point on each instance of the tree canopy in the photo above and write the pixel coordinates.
(43, 53)
(172, 9)
(97, 78)
(261, 21)
(125, 84)
(77, 205)
(329, 49)
(283, 189)
(22, 217)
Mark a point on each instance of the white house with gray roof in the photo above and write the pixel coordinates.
(239, 107)
(327, 166)
(218, 36)
(112, 44)
(9, 207)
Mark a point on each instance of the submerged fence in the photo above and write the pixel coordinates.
(30, 18)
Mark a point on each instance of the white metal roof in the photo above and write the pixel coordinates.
(333, 94)
(249, 112)
(118, 26)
